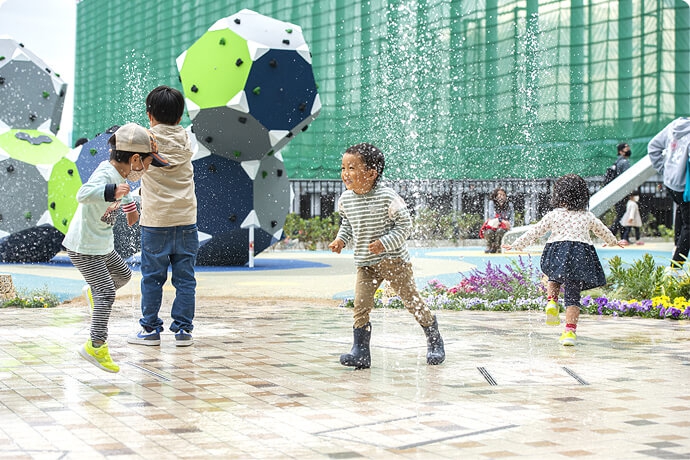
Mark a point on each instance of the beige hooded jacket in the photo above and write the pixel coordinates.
(167, 194)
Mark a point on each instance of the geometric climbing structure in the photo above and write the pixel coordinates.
(249, 86)
(232, 195)
(249, 89)
(32, 95)
(35, 207)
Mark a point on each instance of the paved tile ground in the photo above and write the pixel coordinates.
(263, 381)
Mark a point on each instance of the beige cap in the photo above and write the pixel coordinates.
(135, 138)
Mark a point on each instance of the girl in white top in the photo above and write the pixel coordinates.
(569, 258)
(632, 219)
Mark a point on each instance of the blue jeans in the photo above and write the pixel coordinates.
(162, 247)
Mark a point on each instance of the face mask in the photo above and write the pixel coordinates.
(135, 175)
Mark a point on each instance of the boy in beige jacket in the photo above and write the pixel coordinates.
(169, 236)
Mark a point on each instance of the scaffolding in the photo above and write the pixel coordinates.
(448, 89)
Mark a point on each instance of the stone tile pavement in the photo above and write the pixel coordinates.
(263, 381)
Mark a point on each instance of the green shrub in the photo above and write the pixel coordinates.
(642, 279)
(429, 225)
(312, 232)
(40, 298)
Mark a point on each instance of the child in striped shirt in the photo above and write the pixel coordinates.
(89, 240)
(377, 223)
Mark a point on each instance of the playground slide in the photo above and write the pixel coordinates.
(609, 195)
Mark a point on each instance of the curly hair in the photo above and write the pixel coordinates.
(570, 192)
(371, 156)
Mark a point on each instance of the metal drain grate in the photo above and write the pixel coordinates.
(575, 376)
(487, 375)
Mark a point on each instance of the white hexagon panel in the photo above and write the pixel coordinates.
(32, 95)
(249, 86)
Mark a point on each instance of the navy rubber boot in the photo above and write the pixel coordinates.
(359, 357)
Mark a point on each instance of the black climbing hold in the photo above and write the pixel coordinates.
(70, 171)
(32, 117)
(208, 139)
(237, 20)
(286, 41)
(305, 128)
(232, 217)
(239, 62)
(302, 107)
(222, 41)
(273, 63)
(195, 89)
(289, 135)
(52, 205)
(10, 168)
(242, 120)
(274, 223)
(212, 168)
(279, 173)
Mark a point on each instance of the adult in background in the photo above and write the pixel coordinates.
(621, 165)
(500, 217)
(668, 151)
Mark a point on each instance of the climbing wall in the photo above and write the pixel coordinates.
(35, 208)
(249, 89)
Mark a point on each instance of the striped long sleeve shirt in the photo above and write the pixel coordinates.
(380, 214)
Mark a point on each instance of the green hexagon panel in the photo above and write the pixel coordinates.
(215, 68)
(27, 158)
(32, 146)
(63, 185)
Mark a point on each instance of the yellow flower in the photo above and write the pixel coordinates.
(661, 301)
(680, 303)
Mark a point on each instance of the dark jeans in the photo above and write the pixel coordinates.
(617, 228)
(628, 230)
(163, 247)
(683, 232)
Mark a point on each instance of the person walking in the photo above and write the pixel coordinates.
(569, 258)
(668, 152)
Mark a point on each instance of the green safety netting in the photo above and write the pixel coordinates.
(448, 89)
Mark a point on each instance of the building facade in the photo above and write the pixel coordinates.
(457, 93)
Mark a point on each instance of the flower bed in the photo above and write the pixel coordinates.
(520, 286)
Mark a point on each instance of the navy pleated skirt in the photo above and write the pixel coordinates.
(572, 260)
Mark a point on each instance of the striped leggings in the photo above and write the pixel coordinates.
(104, 274)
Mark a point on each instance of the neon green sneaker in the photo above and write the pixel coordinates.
(568, 338)
(86, 291)
(552, 310)
(99, 357)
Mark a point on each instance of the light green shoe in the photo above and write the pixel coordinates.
(568, 339)
(99, 357)
(86, 291)
(552, 310)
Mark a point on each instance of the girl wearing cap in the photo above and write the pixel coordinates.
(89, 240)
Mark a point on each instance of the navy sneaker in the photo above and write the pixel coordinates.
(144, 337)
(183, 338)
